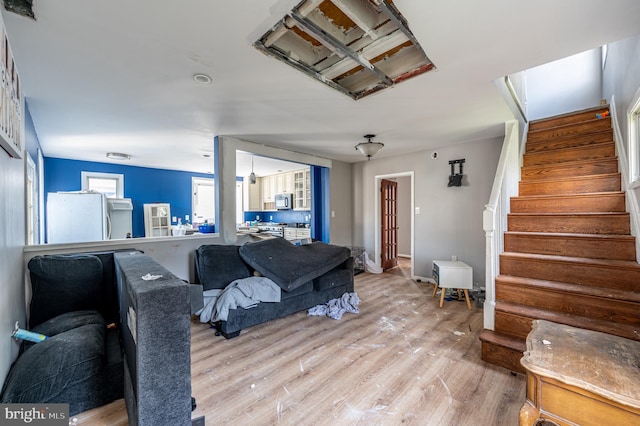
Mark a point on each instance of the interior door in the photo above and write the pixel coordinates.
(389, 215)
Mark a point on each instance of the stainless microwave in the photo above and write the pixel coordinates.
(284, 201)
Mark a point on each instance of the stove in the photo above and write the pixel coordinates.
(276, 230)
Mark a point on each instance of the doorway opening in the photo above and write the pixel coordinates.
(405, 239)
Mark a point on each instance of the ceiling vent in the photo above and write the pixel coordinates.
(357, 47)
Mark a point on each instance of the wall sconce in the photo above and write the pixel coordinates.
(455, 179)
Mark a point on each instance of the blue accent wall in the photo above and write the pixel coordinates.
(280, 216)
(320, 185)
(142, 184)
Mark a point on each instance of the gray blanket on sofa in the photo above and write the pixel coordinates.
(291, 266)
(243, 293)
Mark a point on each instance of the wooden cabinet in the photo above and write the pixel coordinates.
(296, 233)
(253, 195)
(302, 189)
(157, 220)
(296, 183)
(577, 376)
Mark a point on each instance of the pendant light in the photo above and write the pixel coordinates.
(369, 148)
(252, 176)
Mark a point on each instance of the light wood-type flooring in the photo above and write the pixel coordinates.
(401, 360)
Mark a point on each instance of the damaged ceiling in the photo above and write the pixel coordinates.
(357, 47)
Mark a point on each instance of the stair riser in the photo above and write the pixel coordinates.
(592, 224)
(598, 308)
(514, 325)
(579, 204)
(520, 325)
(570, 142)
(606, 183)
(591, 152)
(570, 130)
(603, 276)
(502, 357)
(572, 118)
(572, 169)
(614, 249)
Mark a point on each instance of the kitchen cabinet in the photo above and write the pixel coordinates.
(296, 182)
(296, 233)
(302, 189)
(268, 188)
(253, 195)
(157, 220)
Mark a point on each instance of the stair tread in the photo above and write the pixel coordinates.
(528, 172)
(567, 138)
(579, 195)
(569, 125)
(587, 214)
(566, 164)
(569, 114)
(504, 340)
(573, 236)
(623, 330)
(608, 293)
(630, 264)
(568, 148)
(572, 178)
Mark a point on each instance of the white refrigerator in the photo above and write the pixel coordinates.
(74, 217)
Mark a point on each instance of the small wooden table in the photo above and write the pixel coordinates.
(582, 377)
(452, 274)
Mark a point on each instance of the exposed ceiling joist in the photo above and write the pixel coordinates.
(336, 46)
(341, 43)
(361, 12)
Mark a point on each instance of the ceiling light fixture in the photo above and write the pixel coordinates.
(118, 156)
(202, 78)
(369, 148)
(252, 176)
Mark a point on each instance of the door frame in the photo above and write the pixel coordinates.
(378, 218)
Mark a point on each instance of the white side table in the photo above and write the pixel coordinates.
(452, 274)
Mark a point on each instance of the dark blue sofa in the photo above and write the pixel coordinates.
(111, 335)
(307, 275)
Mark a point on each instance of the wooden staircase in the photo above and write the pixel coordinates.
(568, 253)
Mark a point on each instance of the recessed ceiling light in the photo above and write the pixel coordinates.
(118, 156)
(202, 78)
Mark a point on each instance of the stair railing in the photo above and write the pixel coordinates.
(633, 205)
(494, 216)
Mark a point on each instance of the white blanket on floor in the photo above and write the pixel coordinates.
(335, 308)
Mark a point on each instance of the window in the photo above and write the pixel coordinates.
(633, 118)
(203, 200)
(110, 184)
(32, 209)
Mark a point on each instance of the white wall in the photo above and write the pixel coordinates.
(565, 85)
(404, 215)
(621, 78)
(621, 82)
(12, 240)
(341, 204)
(450, 219)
